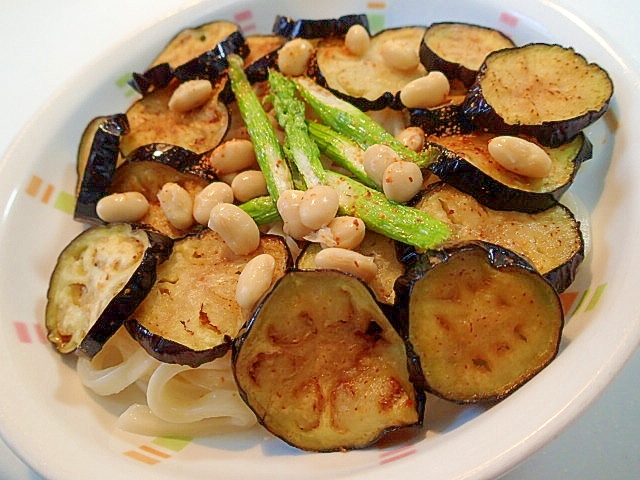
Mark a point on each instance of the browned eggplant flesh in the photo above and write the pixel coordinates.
(480, 319)
(191, 315)
(321, 365)
(469, 166)
(546, 91)
(98, 280)
(551, 240)
(459, 49)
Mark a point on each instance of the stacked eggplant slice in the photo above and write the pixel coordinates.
(463, 301)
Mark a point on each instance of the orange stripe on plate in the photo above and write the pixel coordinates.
(141, 458)
(34, 185)
(377, 5)
(568, 299)
(46, 196)
(41, 332)
(154, 451)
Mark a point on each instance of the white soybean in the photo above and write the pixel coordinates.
(177, 205)
(520, 156)
(232, 156)
(400, 55)
(412, 138)
(401, 181)
(254, 280)
(249, 184)
(425, 92)
(318, 206)
(288, 205)
(236, 227)
(347, 232)
(294, 56)
(357, 40)
(376, 159)
(189, 95)
(205, 199)
(122, 207)
(347, 261)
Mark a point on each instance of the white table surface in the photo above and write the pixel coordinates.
(44, 43)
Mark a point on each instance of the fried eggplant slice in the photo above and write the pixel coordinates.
(459, 49)
(321, 365)
(199, 130)
(98, 281)
(148, 178)
(191, 316)
(341, 71)
(468, 165)
(98, 157)
(193, 42)
(384, 252)
(480, 320)
(551, 240)
(306, 28)
(544, 91)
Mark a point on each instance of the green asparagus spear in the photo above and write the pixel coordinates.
(298, 147)
(346, 119)
(268, 151)
(262, 209)
(399, 222)
(342, 151)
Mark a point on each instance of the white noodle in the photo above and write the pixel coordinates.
(181, 394)
(120, 363)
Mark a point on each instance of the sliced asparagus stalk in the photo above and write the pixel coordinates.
(299, 148)
(341, 150)
(268, 150)
(357, 125)
(400, 222)
(262, 209)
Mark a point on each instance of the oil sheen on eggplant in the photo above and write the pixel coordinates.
(321, 365)
(480, 319)
(190, 316)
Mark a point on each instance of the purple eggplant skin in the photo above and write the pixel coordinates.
(154, 78)
(134, 291)
(444, 120)
(180, 158)
(213, 63)
(466, 177)
(331, 27)
(100, 168)
(168, 351)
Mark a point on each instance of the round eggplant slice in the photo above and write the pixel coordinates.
(342, 72)
(551, 240)
(459, 49)
(467, 165)
(190, 43)
(384, 251)
(98, 281)
(190, 316)
(321, 365)
(148, 178)
(199, 130)
(324, 28)
(544, 91)
(480, 320)
(98, 157)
